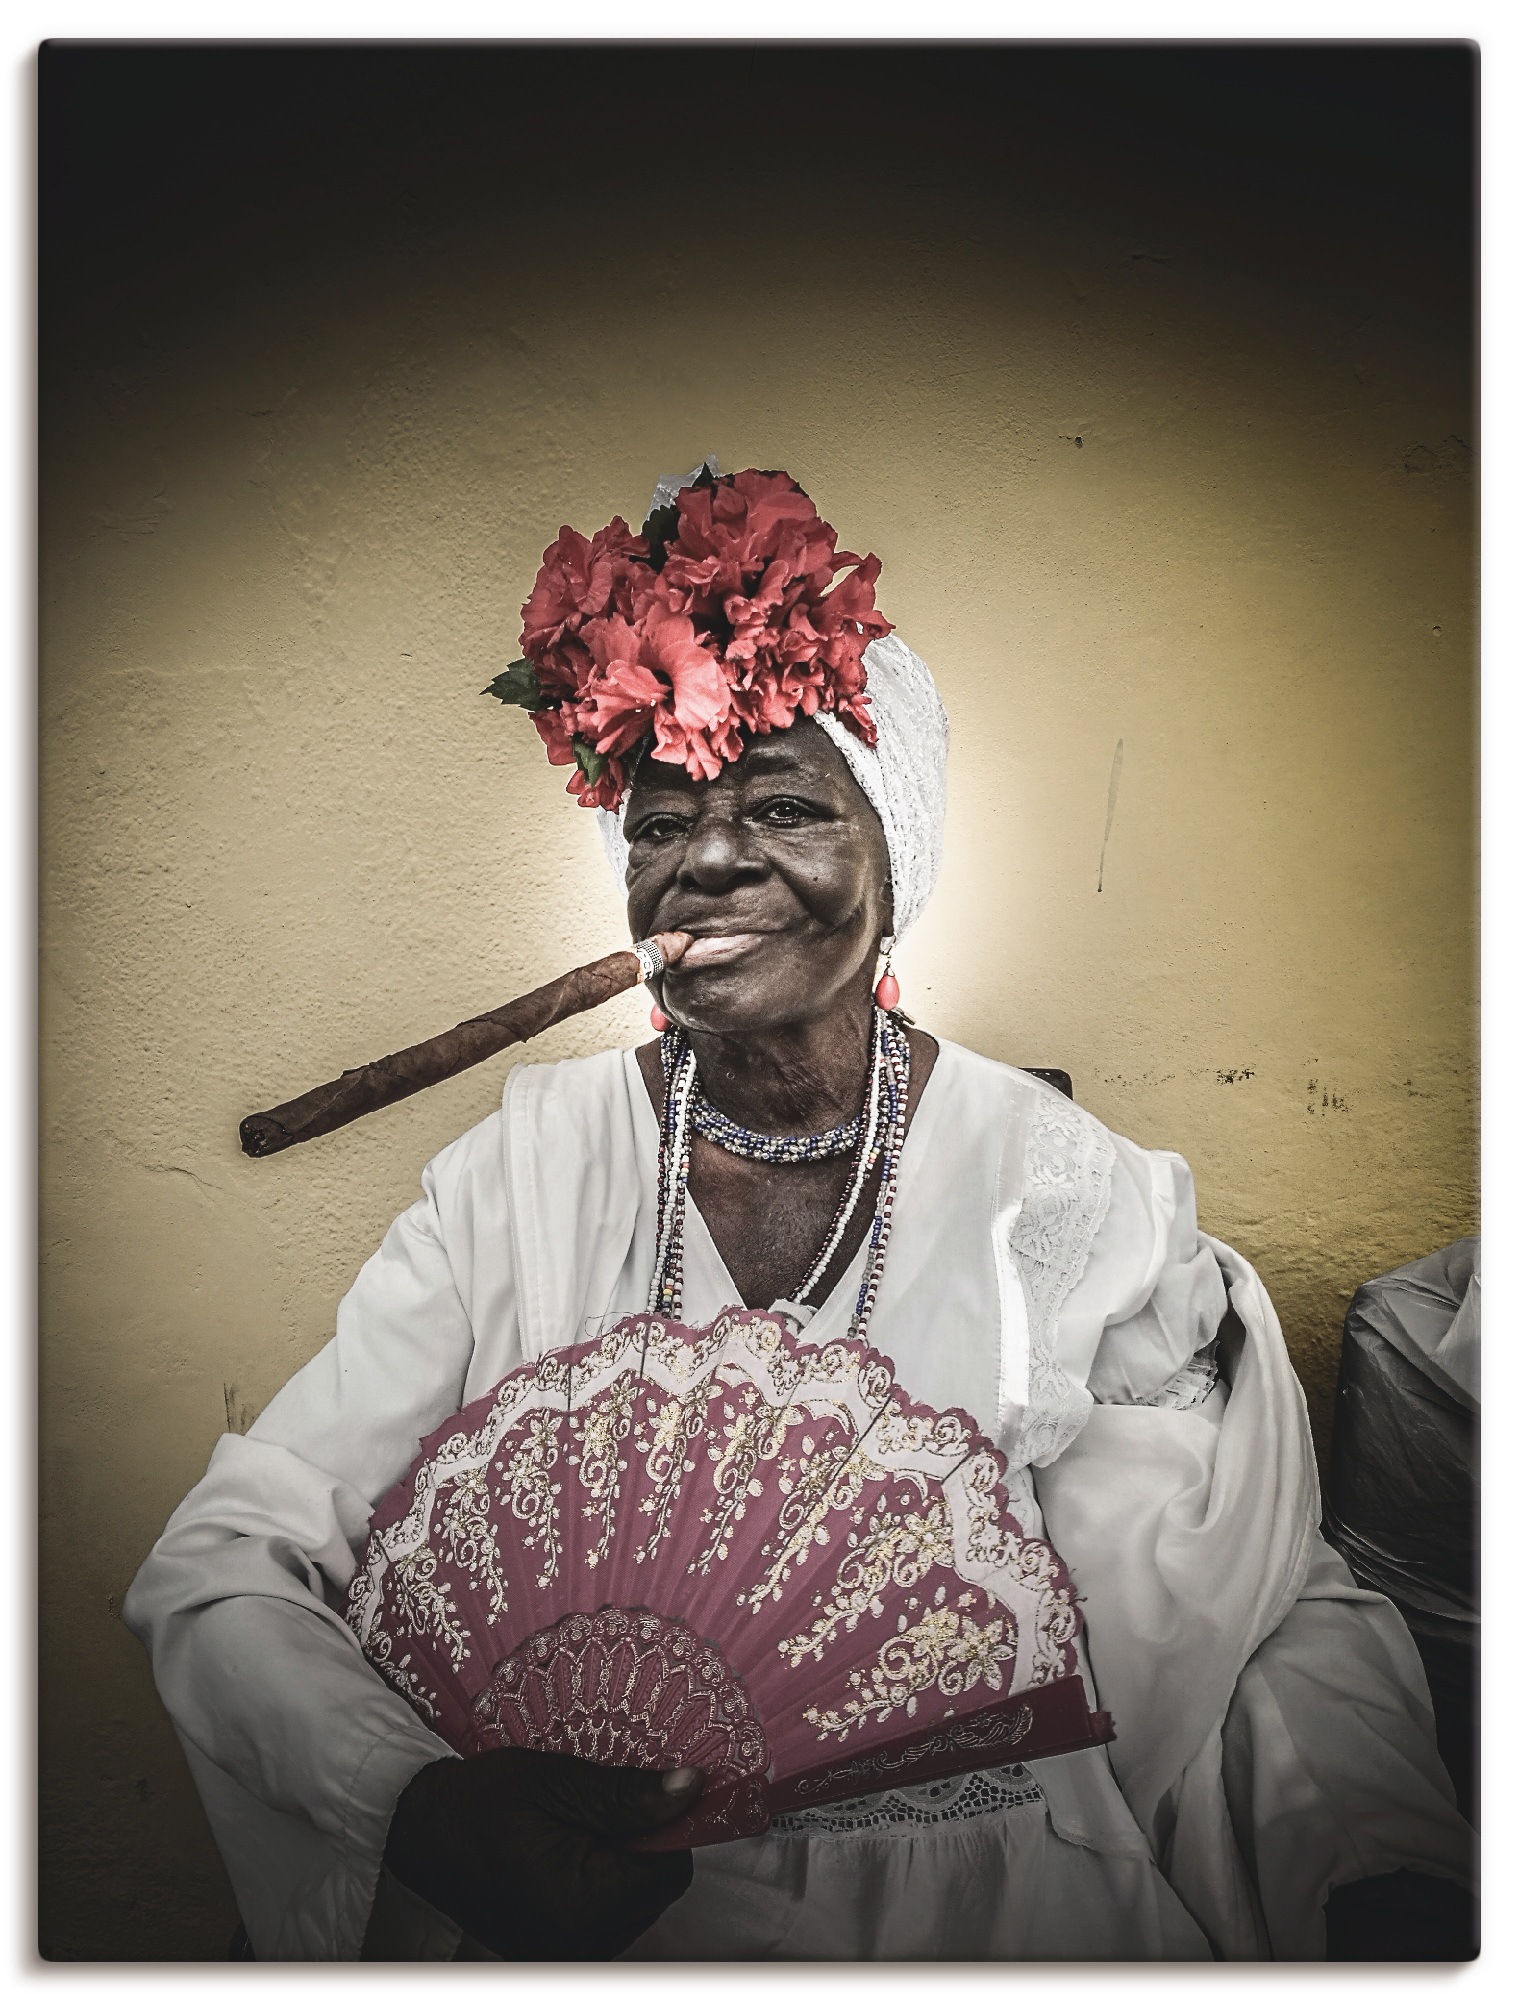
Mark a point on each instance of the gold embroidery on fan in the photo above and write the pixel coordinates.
(675, 1427)
(401, 1675)
(716, 1442)
(944, 1650)
(469, 1537)
(423, 1604)
(753, 1434)
(603, 1433)
(532, 1495)
(896, 1548)
(826, 1481)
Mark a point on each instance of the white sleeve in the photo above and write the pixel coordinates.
(1329, 1759)
(239, 1603)
(1150, 1294)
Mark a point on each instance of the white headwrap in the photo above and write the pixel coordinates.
(903, 777)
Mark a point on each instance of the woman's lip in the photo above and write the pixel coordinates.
(717, 949)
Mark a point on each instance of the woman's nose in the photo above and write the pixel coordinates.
(717, 855)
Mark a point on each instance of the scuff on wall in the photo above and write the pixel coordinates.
(1107, 826)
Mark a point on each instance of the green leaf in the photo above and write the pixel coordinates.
(659, 532)
(517, 685)
(591, 762)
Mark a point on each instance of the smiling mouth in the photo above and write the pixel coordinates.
(718, 949)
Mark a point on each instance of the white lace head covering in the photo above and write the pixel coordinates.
(903, 777)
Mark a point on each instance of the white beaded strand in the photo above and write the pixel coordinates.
(885, 1106)
(865, 1160)
(898, 1075)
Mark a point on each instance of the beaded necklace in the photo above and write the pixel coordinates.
(876, 1135)
(774, 1150)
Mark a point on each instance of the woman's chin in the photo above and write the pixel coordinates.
(711, 1016)
(709, 1006)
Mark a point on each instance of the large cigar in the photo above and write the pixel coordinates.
(358, 1091)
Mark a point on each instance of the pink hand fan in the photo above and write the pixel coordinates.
(724, 1547)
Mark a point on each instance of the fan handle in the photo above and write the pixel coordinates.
(1048, 1721)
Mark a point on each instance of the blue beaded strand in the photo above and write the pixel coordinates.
(774, 1149)
(877, 1134)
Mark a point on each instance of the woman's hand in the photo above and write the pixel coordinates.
(523, 1849)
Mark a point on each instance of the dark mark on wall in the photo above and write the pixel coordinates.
(1235, 1075)
(239, 1416)
(1452, 454)
(1328, 1100)
(1113, 777)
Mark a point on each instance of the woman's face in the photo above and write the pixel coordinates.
(783, 856)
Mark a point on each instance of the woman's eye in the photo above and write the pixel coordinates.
(785, 812)
(663, 826)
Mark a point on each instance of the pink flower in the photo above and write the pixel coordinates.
(620, 695)
(744, 626)
(580, 580)
(700, 691)
(554, 726)
(658, 678)
(608, 790)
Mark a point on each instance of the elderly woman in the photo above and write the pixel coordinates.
(769, 761)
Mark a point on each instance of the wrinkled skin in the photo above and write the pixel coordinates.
(784, 848)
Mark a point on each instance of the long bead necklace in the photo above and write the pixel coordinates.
(876, 1135)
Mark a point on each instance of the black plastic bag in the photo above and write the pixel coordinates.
(1400, 1501)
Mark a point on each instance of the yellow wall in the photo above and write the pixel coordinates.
(282, 831)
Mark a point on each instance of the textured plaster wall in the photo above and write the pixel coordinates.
(1123, 495)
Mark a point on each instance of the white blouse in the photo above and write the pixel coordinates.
(1274, 1733)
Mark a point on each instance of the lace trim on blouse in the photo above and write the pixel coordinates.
(1067, 1182)
(941, 1802)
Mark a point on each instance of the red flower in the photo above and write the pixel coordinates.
(741, 630)
(607, 792)
(618, 698)
(554, 726)
(655, 677)
(580, 580)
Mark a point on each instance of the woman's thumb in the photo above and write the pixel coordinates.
(637, 1801)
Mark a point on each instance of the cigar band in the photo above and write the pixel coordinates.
(650, 958)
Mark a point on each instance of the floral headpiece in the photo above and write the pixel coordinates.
(721, 620)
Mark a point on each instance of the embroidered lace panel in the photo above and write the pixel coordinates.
(942, 1802)
(1191, 1383)
(623, 1687)
(1067, 1179)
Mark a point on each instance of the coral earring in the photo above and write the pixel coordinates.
(888, 993)
(658, 1020)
